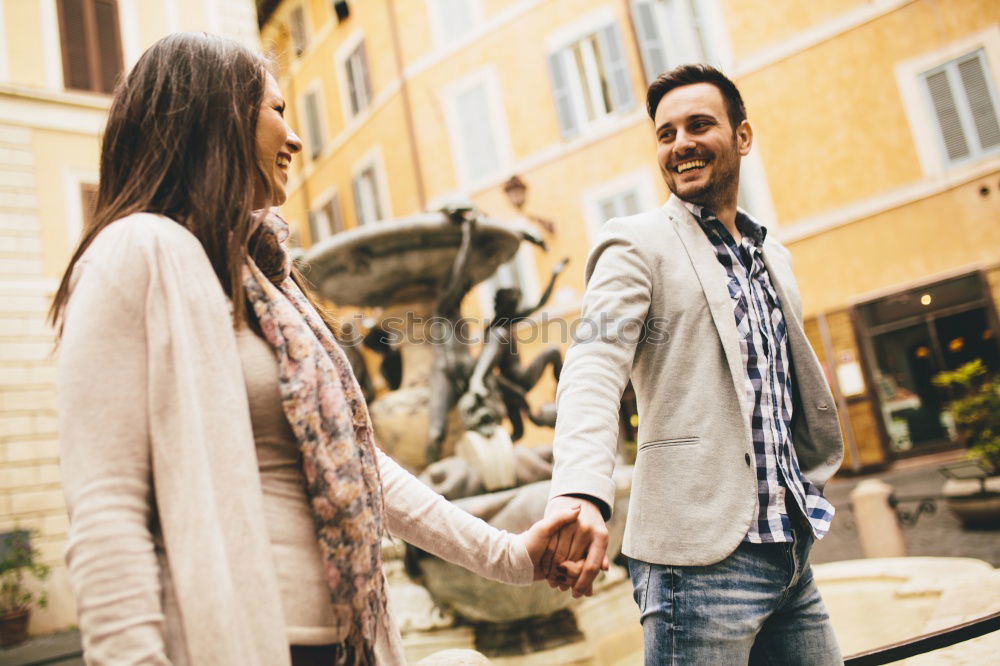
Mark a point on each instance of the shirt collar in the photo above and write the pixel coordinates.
(744, 222)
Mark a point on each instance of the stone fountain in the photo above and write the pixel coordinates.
(414, 272)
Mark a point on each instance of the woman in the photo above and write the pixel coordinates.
(225, 494)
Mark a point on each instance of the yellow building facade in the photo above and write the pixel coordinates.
(876, 157)
(58, 61)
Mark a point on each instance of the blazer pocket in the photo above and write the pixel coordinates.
(679, 441)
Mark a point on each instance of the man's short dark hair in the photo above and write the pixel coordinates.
(686, 75)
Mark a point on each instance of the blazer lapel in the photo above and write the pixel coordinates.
(714, 282)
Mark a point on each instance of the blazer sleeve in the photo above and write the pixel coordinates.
(421, 517)
(598, 365)
(105, 465)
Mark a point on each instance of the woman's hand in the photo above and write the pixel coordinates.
(537, 536)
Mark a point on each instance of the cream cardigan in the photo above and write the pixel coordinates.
(168, 553)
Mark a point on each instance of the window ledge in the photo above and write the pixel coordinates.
(96, 101)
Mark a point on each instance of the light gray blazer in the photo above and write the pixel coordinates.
(657, 310)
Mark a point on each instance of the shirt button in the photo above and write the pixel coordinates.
(746, 456)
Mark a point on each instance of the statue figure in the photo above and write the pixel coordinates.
(500, 352)
(452, 360)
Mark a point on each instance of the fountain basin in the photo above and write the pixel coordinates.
(398, 261)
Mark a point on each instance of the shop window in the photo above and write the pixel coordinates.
(91, 44)
(964, 103)
(590, 79)
(912, 336)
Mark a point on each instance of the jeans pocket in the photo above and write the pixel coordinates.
(638, 572)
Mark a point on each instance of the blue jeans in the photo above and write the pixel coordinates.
(760, 605)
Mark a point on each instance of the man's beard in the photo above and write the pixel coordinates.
(722, 188)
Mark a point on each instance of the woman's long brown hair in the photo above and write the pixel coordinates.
(181, 141)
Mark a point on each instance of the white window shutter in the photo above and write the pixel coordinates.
(568, 121)
(616, 66)
(977, 92)
(359, 205)
(949, 121)
(478, 141)
(365, 83)
(654, 57)
(314, 125)
(297, 25)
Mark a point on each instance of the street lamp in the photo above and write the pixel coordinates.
(517, 193)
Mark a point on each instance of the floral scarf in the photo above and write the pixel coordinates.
(327, 413)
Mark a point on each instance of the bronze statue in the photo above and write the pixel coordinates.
(453, 364)
(500, 352)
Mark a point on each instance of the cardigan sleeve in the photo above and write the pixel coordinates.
(105, 458)
(421, 517)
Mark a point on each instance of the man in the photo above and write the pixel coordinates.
(697, 304)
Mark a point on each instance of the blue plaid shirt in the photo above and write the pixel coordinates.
(764, 348)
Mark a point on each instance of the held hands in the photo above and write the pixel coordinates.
(577, 552)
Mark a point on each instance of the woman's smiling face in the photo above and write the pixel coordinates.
(276, 143)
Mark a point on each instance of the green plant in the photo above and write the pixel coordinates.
(976, 409)
(18, 558)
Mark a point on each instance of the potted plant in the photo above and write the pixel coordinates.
(17, 559)
(973, 488)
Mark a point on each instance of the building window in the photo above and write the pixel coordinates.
(326, 220)
(297, 26)
(478, 129)
(670, 33)
(590, 79)
(88, 203)
(358, 81)
(621, 204)
(628, 194)
(371, 202)
(964, 102)
(312, 109)
(91, 44)
(517, 273)
(451, 20)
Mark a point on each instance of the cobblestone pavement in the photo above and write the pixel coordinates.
(936, 535)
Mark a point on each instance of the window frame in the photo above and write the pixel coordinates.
(961, 99)
(640, 181)
(487, 78)
(299, 48)
(315, 90)
(345, 78)
(330, 199)
(93, 50)
(527, 280)
(564, 72)
(915, 99)
(435, 16)
(373, 161)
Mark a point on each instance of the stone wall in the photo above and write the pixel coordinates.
(30, 493)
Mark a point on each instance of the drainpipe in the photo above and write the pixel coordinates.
(407, 109)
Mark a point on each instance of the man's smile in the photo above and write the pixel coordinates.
(689, 164)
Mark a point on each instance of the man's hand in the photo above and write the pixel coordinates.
(586, 540)
(538, 535)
